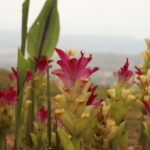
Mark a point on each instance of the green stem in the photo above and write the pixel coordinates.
(18, 116)
(57, 137)
(2, 141)
(30, 117)
(49, 128)
(25, 12)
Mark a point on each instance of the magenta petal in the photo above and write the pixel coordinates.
(97, 101)
(10, 95)
(62, 54)
(42, 114)
(72, 69)
(14, 75)
(29, 76)
(138, 71)
(62, 76)
(91, 99)
(147, 106)
(124, 74)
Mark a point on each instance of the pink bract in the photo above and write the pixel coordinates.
(9, 95)
(42, 64)
(124, 74)
(147, 106)
(73, 69)
(42, 114)
(92, 98)
(14, 76)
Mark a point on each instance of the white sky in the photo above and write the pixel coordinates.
(102, 17)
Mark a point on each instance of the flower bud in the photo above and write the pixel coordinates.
(148, 43)
(71, 53)
(131, 98)
(58, 97)
(59, 111)
(111, 93)
(105, 110)
(148, 74)
(86, 115)
(145, 56)
(110, 123)
(146, 98)
(80, 100)
(125, 93)
(143, 78)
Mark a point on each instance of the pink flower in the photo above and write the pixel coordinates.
(29, 76)
(73, 69)
(9, 95)
(124, 74)
(138, 71)
(42, 64)
(14, 76)
(42, 114)
(147, 106)
(1, 95)
(92, 99)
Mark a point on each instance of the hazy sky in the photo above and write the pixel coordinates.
(102, 17)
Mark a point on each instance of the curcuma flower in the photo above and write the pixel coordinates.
(73, 69)
(14, 76)
(76, 107)
(42, 64)
(42, 115)
(9, 96)
(124, 75)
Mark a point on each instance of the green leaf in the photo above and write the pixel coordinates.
(31, 64)
(120, 139)
(43, 35)
(21, 67)
(118, 110)
(66, 142)
(25, 11)
(34, 139)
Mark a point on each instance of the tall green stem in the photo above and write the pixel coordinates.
(49, 112)
(30, 117)
(25, 10)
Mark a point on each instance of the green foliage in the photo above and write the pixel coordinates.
(25, 12)
(66, 142)
(120, 139)
(43, 35)
(21, 67)
(118, 106)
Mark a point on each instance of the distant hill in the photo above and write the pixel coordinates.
(95, 43)
(4, 79)
(109, 52)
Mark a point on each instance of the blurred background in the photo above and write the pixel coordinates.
(111, 30)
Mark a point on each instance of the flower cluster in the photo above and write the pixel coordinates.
(143, 95)
(105, 129)
(75, 106)
(121, 95)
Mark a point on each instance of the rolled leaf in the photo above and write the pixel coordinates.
(43, 34)
(21, 67)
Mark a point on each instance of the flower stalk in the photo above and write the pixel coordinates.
(49, 126)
